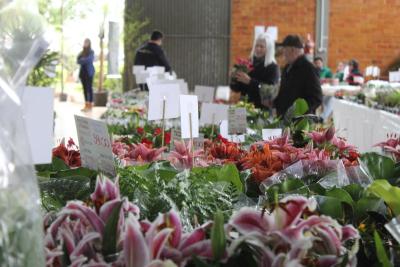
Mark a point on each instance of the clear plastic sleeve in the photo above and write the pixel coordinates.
(332, 172)
(21, 46)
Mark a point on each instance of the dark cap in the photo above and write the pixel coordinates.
(292, 41)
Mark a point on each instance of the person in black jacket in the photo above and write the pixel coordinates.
(151, 54)
(265, 71)
(299, 78)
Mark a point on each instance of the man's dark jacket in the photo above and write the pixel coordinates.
(299, 80)
(150, 55)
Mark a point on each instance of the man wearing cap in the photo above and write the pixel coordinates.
(299, 78)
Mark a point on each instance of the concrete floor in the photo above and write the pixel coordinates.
(65, 121)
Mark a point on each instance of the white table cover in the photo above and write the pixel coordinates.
(363, 126)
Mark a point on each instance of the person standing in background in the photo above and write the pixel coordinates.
(151, 54)
(265, 71)
(299, 78)
(86, 73)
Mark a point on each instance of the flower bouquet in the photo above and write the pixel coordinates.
(241, 65)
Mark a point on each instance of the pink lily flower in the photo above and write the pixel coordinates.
(322, 137)
(183, 157)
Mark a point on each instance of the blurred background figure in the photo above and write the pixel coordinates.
(355, 77)
(339, 74)
(265, 71)
(86, 73)
(151, 53)
(299, 78)
(325, 74)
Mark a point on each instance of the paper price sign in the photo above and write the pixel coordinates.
(189, 116)
(163, 100)
(198, 143)
(95, 145)
(204, 93)
(237, 121)
(213, 113)
(269, 134)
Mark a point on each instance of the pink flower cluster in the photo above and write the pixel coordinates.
(131, 154)
(291, 235)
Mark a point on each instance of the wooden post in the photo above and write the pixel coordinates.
(212, 126)
(163, 121)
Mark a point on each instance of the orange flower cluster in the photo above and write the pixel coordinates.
(262, 161)
(225, 152)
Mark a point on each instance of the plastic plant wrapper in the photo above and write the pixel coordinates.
(393, 228)
(332, 172)
(21, 46)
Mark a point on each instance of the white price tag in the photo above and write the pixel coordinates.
(213, 113)
(204, 93)
(269, 134)
(38, 110)
(189, 116)
(237, 120)
(160, 92)
(223, 93)
(95, 145)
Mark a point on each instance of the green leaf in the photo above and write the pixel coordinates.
(390, 194)
(330, 206)
(229, 173)
(110, 232)
(380, 251)
(300, 107)
(226, 173)
(218, 240)
(58, 164)
(356, 191)
(368, 204)
(378, 166)
(76, 172)
(302, 125)
(341, 195)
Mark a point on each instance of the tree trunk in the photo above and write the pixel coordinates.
(128, 78)
(133, 38)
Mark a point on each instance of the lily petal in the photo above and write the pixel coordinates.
(136, 251)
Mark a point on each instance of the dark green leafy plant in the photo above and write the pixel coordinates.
(44, 72)
(198, 194)
(59, 184)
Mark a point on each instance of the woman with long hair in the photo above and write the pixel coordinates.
(265, 71)
(86, 73)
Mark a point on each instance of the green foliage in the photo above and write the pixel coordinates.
(59, 184)
(380, 167)
(198, 194)
(218, 239)
(72, 9)
(133, 38)
(380, 251)
(111, 232)
(390, 194)
(44, 72)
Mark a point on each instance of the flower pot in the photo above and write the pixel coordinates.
(100, 98)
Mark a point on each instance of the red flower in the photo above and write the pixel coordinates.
(69, 154)
(140, 130)
(147, 142)
(157, 131)
(167, 138)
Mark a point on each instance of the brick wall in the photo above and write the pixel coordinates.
(362, 29)
(291, 16)
(365, 30)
